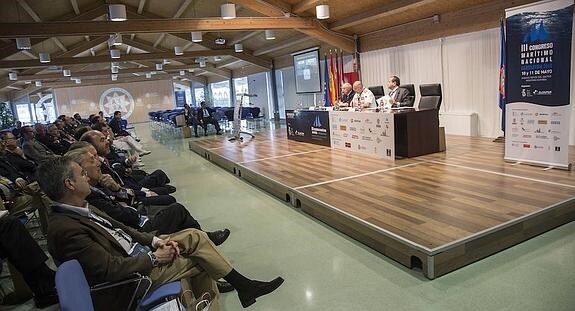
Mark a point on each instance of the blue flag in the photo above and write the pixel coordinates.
(325, 82)
(502, 76)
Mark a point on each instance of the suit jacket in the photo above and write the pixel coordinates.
(72, 236)
(401, 97)
(201, 115)
(348, 98)
(103, 201)
(36, 151)
(115, 126)
(8, 171)
(24, 166)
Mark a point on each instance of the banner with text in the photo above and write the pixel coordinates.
(539, 82)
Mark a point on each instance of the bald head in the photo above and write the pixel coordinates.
(98, 140)
(357, 86)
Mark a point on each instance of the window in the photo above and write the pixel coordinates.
(199, 95)
(23, 113)
(241, 86)
(220, 94)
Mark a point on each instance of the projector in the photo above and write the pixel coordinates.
(220, 41)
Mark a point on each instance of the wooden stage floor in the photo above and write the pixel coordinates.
(437, 212)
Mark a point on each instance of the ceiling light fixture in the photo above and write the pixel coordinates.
(178, 50)
(114, 77)
(13, 76)
(115, 53)
(117, 12)
(217, 58)
(322, 11)
(159, 67)
(182, 72)
(202, 63)
(78, 81)
(44, 57)
(270, 35)
(38, 83)
(23, 43)
(238, 47)
(197, 36)
(115, 64)
(228, 10)
(114, 69)
(148, 75)
(67, 72)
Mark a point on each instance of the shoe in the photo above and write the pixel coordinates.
(205, 134)
(218, 133)
(170, 189)
(196, 135)
(224, 287)
(45, 300)
(248, 297)
(219, 237)
(144, 152)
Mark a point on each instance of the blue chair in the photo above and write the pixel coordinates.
(74, 292)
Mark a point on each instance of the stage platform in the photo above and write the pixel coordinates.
(436, 213)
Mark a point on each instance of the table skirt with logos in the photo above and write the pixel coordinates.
(384, 134)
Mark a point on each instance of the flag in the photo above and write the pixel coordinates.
(332, 90)
(325, 82)
(502, 75)
(337, 83)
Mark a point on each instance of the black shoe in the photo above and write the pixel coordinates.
(224, 287)
(248, 297)
(45, 300)
(205, 134)
(219, 237)
(170, 189)
(196, 135)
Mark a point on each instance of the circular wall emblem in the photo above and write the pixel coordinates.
(46, 99)
(119, 99)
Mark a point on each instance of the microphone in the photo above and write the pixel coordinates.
(250, 95)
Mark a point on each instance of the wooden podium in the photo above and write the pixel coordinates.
(416, 132)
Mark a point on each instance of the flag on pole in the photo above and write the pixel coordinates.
(337, 80)
(502, 75)
(325, 81)
(332, 90)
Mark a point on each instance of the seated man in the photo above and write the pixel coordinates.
(347, 95)
(162, 219)
(102, 145)
(15, 156)
(55, 141)
(33, 149)
(397, 96)
(363, 97)
(116, 124)
(205, 117)
(23, 252)
(110, 251)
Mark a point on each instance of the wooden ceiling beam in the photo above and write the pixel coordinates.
(79, 28)
(229, 62)
(317, 32)
(61, 61)
(182, 8)
(243, 37)
(142, 46)
(141, 6)
(74, 4)
(305, 5)
(282, 45)
(155, 77)
(106, 72)
(29, 10)
(392, 8)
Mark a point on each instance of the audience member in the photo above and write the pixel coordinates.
(15, 156)
(116, 124)
(23, 252)
(33, 149)
(205, 117)
(111, 251)
(17, 129)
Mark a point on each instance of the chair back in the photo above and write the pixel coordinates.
(72, 287)
(411, 94)
(377, 91)
(430, 96)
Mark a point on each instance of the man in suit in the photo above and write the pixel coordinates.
(110, 251)
(15, 156)
(347, 95)
(398, 96)
(116, 124)
(33, 149)
(105, 195)
(23, 252)
(205, 116)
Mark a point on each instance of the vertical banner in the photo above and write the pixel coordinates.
(180, 98)
(538, 82)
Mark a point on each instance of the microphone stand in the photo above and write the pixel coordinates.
(237, 132)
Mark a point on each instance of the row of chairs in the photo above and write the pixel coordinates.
(430, 94)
